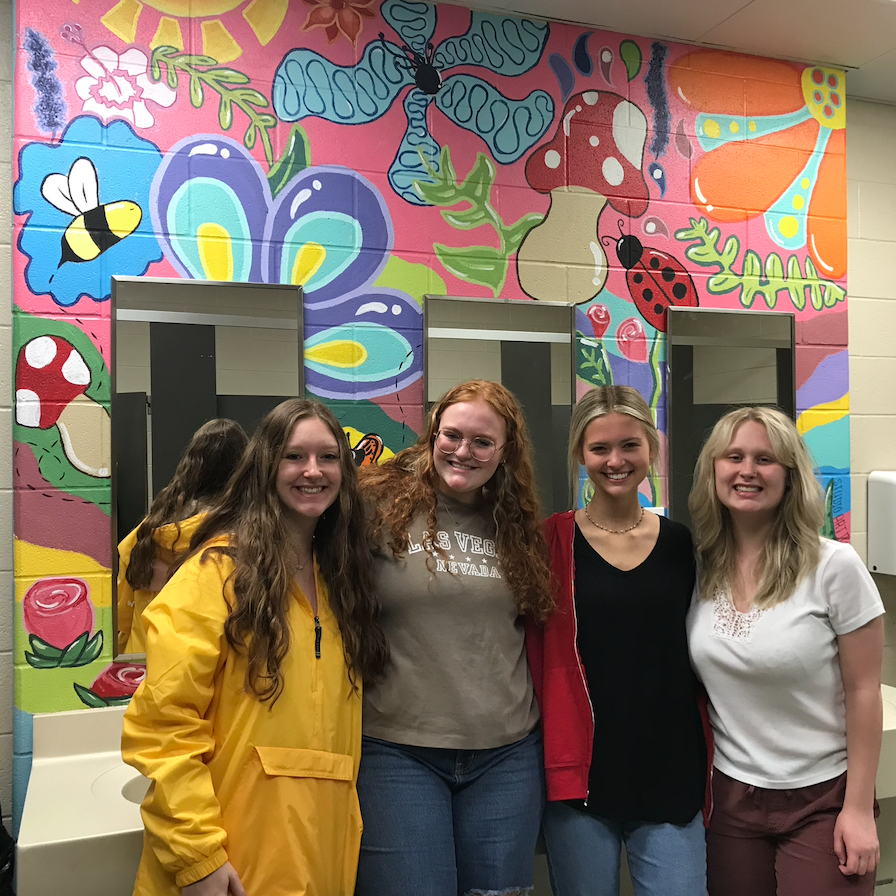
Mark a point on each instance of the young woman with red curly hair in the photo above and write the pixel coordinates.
(451, 782)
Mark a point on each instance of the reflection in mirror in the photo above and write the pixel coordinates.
(719, 360)
(185, 352)
(526, 346)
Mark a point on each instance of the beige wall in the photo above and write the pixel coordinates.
(871, 184)
(6, 581)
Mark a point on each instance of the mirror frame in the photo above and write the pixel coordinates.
(175, 317)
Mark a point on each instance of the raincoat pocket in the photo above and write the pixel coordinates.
(293, 823)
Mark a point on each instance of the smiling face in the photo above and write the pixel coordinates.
(749, 479)
(462, 476)
(616, 454)
(309, 473)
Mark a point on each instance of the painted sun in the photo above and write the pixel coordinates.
(170, 18)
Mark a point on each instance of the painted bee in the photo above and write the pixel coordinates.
(96, 227)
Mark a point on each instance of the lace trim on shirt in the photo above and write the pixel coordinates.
(728, 623)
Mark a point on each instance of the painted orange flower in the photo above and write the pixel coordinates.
(775, 145)
(338, 17)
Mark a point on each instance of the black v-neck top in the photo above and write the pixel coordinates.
(649, 759)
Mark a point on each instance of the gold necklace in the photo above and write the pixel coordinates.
(614, 531)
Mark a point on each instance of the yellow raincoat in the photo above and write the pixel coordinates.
(272, 789)
(170, 544)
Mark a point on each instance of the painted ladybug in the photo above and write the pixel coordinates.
(655, 279)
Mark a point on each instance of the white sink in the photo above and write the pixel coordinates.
(81, 831)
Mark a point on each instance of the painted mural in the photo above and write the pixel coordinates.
(374, 151)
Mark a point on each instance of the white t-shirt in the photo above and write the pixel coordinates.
(773, 676)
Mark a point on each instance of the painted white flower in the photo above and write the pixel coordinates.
(120, 87)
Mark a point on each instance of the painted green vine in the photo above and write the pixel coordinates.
(483, 265)
(656, 351)
(227, 83)
(758, 278)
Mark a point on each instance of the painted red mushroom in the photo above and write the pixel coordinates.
(51, 379)
(593, 159)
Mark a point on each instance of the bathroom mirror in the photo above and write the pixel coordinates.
(184, 352)
(719, 360)
(525, 345)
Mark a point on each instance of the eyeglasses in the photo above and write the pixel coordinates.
(481, 448)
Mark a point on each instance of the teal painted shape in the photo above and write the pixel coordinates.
(829, 444)
(205, 200)
(500, 44)
(407, 166)
(307, 84)
(415, 22)
(338, 233)
(510, 128)
(802, 196)
(387, 352)
(762, 126)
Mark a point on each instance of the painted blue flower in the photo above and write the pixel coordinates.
(308, 85)
(87, 201)
(328, 230)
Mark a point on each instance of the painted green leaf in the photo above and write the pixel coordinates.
(42, 649)
(477, 185)
(482, 265)
(827, 529)
(630, 54)
(72, 653)
(468, 218)
(91, 651)
(516, 232)
(225, 114)
(228, 76)
(296, 157)
(87, 696)
(39, 662)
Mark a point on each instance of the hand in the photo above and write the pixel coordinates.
(855, 842)
(223, 882)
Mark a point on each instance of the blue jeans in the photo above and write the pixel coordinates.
(449, 822)
(584, 854)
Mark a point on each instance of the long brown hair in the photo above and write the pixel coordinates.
(409, 483)
(793, 547)
(251, 516)
(201, 476)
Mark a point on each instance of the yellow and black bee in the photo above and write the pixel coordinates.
(96, 227)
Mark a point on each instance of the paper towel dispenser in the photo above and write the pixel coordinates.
(882, 522)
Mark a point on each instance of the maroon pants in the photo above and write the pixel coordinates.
(777, 842)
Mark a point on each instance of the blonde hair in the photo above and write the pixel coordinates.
(793, 547)
(598, 403)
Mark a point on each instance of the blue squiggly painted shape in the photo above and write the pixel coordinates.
(509, 127)
(565, 77)
(658, 176)
(580, 55)
(502, 45)
(407, 165)
(415, 22)
(306, 84)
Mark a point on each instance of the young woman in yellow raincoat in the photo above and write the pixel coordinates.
(249, 721)
(146, 554)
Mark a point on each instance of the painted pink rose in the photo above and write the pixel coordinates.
(58, 610)
(632, 340)
(118, 680)
(599, 315)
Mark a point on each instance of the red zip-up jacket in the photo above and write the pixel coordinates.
(567, 717)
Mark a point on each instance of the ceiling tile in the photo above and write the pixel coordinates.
(654, 18)
(831, 31)
(876, 80)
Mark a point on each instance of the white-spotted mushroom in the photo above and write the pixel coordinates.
(51, 379)
(593, 159)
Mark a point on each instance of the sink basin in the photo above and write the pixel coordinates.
(81, 831)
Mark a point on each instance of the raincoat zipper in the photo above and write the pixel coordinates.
(318, 631)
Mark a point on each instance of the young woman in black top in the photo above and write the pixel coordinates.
(623, 580)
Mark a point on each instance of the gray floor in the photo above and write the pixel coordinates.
(887, 587)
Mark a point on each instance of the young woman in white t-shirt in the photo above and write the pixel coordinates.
(786, 632)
